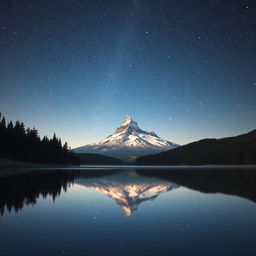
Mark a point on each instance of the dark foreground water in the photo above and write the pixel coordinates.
(129, 212)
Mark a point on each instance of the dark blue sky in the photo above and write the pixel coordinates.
(185, 69)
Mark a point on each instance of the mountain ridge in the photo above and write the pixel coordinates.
(230, 150)
(130, 141)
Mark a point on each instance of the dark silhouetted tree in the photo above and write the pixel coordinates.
(19, 143)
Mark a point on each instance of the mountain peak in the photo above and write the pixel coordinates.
(128, 125)
(129, 140)
(129, 121)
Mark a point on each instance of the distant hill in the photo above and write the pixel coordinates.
(232, 150)
(88, 158)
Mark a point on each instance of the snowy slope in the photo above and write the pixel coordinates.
(128, 138)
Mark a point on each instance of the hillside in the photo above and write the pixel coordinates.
(231, 150)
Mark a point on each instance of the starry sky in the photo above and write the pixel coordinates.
(184, 69)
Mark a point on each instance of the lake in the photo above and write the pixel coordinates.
(129, 211)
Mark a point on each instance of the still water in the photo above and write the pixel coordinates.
(131, 211)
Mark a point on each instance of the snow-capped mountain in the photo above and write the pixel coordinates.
(129, 195)
(128, 140)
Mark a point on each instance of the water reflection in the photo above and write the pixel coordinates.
(238, 182)
(16, 191)
(129, 188)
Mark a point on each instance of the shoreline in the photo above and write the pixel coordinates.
(9, 163)
(39, 168)
(12, 167)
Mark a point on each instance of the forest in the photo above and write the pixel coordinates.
(24, 144)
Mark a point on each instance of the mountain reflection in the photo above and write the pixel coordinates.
(19, 190)
(128, 189)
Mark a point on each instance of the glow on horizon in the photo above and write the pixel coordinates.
(100, 131)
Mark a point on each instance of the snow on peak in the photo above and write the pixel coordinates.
(130, 136)
(128, 125)
(129, 122)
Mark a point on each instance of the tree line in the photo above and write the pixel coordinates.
(25, 144)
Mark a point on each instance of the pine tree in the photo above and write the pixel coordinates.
(25, 144)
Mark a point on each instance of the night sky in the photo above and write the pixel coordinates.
(184, 69)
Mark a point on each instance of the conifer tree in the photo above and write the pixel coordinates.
(25, 144)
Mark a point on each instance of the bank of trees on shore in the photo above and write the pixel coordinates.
(24, 144)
